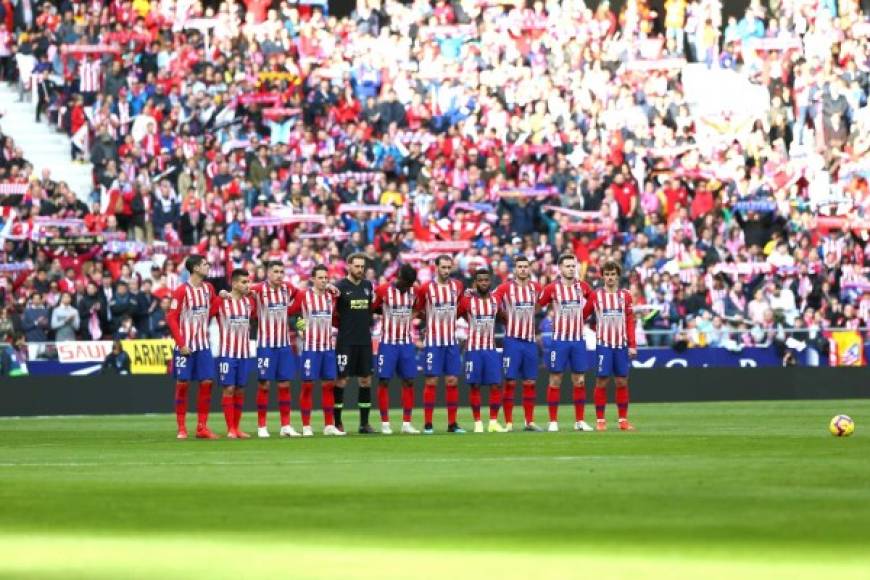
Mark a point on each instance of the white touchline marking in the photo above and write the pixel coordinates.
(306, 461)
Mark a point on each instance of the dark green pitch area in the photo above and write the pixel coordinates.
(715, 489)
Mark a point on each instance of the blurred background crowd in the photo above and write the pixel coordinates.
(722, 159)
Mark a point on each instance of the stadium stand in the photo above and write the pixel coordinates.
(724, 163)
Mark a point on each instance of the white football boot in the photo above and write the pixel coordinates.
(408, 429)
(332, 430)
(289, 431)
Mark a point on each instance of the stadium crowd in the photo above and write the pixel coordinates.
(272, 130)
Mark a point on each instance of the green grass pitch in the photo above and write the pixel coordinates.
(710, 490)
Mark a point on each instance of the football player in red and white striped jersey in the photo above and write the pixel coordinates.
(317, 305)
(438, 300)
(517, 300)
(188, 323)
(397, 353)
(482, 362)
(234, 312)
(616, 343)
(276, 359)
(571, 302)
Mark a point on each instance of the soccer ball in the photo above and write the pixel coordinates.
(842, 426)
(300, 324)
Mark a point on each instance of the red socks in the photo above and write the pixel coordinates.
(452, 403)
(203, 402)
(579, 402)
(284, 402)
(528, 401)
(239, 401)
(494, 402)
(305, 403)
(229, 406)
(622, 401)
(508, 401)
(407, 402)
(474, 399)
(553, 402)
(328, 403)
(600, 395)
(384, 402)
(181, 403)
(428, 402)
(262, 405)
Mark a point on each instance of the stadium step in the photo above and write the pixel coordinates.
(42, 144)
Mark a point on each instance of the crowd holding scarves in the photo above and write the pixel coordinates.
(478, 129)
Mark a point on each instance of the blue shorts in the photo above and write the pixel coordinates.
(397, 358)
(612, 361)
(279, 363)
(482, 367)
(564, 354)
(442, 361)
(318, 365)
(234, 372)
(520, 359)
(197, 366)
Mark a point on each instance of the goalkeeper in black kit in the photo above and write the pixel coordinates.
(353, 348)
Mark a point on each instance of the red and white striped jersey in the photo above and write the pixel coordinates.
(439, 302)
(234, 321)
(571, 304)
(316, 309)
(188, 315)
(518, 302)
(89, 75)
(480, 311)
(615, 315)
(273, 330)
(398, 311)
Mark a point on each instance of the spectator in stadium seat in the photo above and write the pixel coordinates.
(157, 325)
(121, 304)
(36, 321)
(145, 304)
(166, 210)
(65, 319)
(126, 329)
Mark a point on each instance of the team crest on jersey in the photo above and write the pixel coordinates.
(174, 304)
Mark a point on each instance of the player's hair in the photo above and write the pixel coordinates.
(318, 268)
(482, 272)
(408, 274)
(565, 257)
(611, 266)
(442, 257)
(273, 264)
(357, 256)
(238, 273)
(522, 258)
(192, 262)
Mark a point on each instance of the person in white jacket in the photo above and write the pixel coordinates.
(65, 319)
